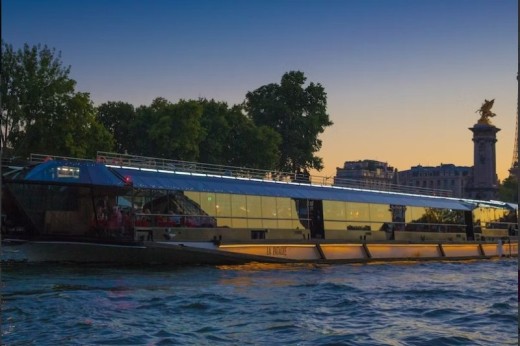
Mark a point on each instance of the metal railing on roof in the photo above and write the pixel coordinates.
(161, 164)
(154, 163)
(39, 158)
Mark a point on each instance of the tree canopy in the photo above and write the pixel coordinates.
(508, 190)
(298, 114)
(191, 130)
(41, 111)
(276, 128)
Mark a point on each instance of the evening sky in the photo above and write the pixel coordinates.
(404, 78)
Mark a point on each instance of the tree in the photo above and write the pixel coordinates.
(173, 131)
(248, 145)
(217, 126)
(508, 190)
(118, 118)
(229, 136)
(41, 112)
(298, 114)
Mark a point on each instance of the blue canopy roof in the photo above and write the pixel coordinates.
(73, 172)
(148, 179)
(97, 174)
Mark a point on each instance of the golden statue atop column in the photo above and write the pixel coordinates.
(485, 112)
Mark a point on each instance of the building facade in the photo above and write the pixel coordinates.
(444, 177)
(367, 174)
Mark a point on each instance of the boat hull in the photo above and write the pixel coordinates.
(186, 253)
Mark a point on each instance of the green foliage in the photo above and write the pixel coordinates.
(216, 122)
(117, 118)
(168, 130)
(508, 190)
(41, 112)
(230, 136)
(297, 114)
(249, 145)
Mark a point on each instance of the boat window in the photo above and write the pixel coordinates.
(269, 212)
(357, 211)
(238, 206)
(254, 211)
(483, 215)
(223, 204)
(380, 213)
(67, 172)
(334, 210)
(207, 202)
(194, 197)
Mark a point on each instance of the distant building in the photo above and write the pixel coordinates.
(366, 173)
(443, 177)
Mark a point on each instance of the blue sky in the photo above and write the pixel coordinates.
(403, 77)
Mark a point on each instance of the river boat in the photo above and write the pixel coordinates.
(127, 209)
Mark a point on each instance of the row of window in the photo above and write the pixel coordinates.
(241, 211)
(261, 211)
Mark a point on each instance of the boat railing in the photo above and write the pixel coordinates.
(159, 164)
(39, 158)
(197, 168)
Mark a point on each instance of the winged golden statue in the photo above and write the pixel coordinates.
(485, 112)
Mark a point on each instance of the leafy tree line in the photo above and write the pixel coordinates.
(276, 127)
(508, 189)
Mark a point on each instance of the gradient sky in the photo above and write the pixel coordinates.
(403, 77)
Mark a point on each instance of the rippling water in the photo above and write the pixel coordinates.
(448, 303)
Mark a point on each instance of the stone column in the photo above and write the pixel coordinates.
(485, 180)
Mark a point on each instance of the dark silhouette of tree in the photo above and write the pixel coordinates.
(231, 138)
(508, 190)
(168, 130)
(118, 117)
(298, 114)
(41, 111)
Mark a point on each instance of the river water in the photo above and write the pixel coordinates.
(429, 303)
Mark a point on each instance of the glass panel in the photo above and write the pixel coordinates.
(239, 223)
(357, 211)
(297, 224)
(380, 213)
(302, 207)
(437, 216)
(224, 221)
(238, 206)
(223, 204)
(484, 216)
(398, 213)
(192, 199)
(416, 214)
(254, 223)
(254, 211)
(269, 212)
(335, 225)
(283, 206)
(334, 210)
(254, 206)
(208, 203)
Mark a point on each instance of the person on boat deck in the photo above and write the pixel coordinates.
(100, 214)
(115, 221)
(148, 216)
(104, 204)
(148, 219)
